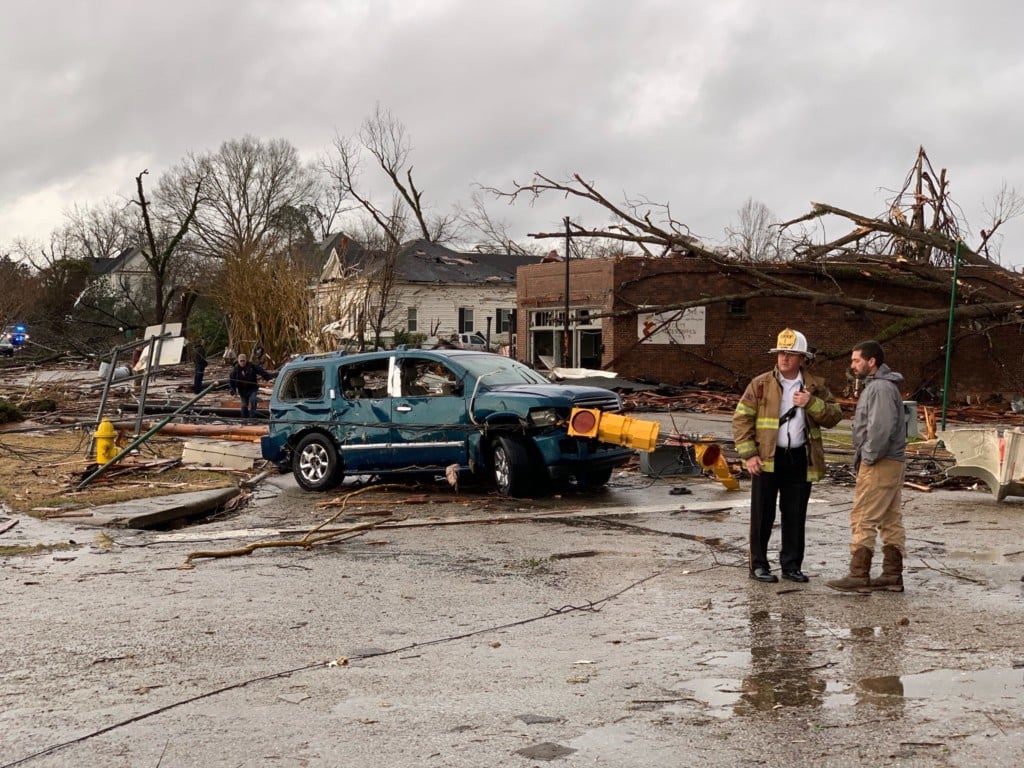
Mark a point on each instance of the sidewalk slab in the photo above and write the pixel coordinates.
(159, 510)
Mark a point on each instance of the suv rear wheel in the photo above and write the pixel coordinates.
(316, 464)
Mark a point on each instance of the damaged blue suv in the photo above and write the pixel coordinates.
(407, 412)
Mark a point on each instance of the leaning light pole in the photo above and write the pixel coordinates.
(566, 347)
(949, 333)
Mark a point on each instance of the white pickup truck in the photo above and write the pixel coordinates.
(471, 341)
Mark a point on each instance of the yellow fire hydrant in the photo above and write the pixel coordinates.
(105, 435)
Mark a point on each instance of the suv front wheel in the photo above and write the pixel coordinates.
(595, 478)
(316, 464)
(511, 461)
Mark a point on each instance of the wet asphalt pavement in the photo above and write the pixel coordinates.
(613, 628)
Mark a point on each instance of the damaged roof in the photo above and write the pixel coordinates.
(421, 261)
(424, 262)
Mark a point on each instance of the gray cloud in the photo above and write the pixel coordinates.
(698, 104)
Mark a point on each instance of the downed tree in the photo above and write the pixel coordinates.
(913, 246)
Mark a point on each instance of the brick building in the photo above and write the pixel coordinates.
(727, 342)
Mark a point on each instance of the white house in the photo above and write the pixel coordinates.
(426, 288)
(128, 273)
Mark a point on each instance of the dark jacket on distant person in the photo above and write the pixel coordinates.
(245, 379)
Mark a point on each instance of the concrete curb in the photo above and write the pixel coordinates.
(158, 510)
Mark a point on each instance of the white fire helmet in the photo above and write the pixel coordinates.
(792, 341)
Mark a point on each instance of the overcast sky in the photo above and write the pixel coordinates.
(698, 104)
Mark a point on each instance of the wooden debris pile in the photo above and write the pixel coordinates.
(927, 463)
(693, 401)
(708, 401)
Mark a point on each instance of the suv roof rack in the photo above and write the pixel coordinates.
(318, 356)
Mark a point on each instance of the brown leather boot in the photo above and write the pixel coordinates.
(891, 579)
(859, 578)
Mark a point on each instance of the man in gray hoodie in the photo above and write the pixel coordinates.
(879, 456)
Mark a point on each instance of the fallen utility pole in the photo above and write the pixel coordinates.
(252, 432)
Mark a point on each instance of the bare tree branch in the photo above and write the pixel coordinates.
(384, 138)
(163, 258)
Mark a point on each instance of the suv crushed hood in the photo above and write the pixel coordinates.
(552, 395)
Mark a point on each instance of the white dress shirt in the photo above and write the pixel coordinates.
(791, 434)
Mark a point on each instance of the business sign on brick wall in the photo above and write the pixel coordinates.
(680, 326)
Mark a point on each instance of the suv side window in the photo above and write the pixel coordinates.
(303, 384)
(366, 381)
(426, 378)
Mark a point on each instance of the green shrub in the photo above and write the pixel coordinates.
(9, 412)
(411, 339)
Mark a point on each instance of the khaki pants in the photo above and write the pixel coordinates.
(876, 506)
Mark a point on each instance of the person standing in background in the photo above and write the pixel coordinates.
(200, 362)
(879, 459)
(244, 380)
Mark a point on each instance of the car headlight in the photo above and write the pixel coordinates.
(543, 417)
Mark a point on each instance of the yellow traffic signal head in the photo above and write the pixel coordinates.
(584, 422)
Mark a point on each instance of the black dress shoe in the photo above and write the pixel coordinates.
(763, 574)
(795, 576)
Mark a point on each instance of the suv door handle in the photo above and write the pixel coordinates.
(403, 408)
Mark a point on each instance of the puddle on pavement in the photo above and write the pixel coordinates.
(790, 663)
(991, 556)
(801, 686)
(985, 685)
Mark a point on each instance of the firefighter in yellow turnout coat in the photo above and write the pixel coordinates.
(777, 429)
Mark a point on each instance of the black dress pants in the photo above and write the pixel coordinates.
(788, 487)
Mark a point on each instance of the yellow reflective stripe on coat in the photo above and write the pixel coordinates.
(745, 409)
(746, 447)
